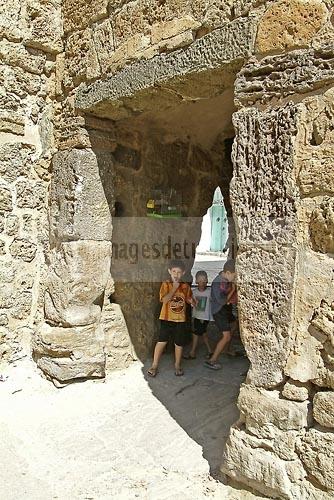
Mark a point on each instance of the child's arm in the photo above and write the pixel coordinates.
(190, 299)
(168, 296)
(230, 293)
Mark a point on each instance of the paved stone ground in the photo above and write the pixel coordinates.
(130, 437)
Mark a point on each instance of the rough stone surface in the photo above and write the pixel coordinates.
(313, 284)
(77, 277)
(5, 199)
(222, 46)
(316, 450)
(296, 391)
(259, 468)
(263, 192)
(279, 76)
(266, 321)
(79, 209)
(265, 407)
(290, 23)
(164, 74)
(315, 148)
(322, 226)
(323, 408)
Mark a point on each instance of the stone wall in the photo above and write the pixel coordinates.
(283, 443)
(147, 67)
(31, 37)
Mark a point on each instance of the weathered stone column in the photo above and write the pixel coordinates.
(282, 194)
(71, 342)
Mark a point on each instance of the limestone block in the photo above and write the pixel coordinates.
(316, 451)
(169, 29)
(265, 407)
(10, 25)
(12, 122)
(6, 297)
(263, 191)
(81, 59)
(44, 25)
(79, 208)
(86, 340)
(23, 248)
(314, 146)
(64, 370)
(223, 45)
(269, 437)
(323, 408)
(137, 46)
(322, 226)
(176, 41)
(118, 346)
(15, 160)
(103, 43)
(78, 14)
(12, 225)
(276, 77)
(3, 319)
(259, 468)
(6, 203)
(16, 55)
(296, 391)
(290, 23)
(77, 277)
(265, 291)
(22, 304)
(65, 354)
(313, 283)
(18, 82)
(31, 194)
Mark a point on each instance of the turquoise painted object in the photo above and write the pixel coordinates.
(219, 225)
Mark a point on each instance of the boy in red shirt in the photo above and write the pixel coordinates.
(174, 296)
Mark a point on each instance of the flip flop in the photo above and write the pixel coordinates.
(152, 372)
(188, 356)
(179, 372)
(212, 366)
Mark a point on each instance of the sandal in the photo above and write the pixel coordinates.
(179, 372)
(152, 372)
(212, 366)
(188, 356)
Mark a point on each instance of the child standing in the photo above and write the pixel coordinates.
(201, 314)
(174, 296)
(221, 295)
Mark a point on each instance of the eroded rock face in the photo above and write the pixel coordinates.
(323, 408)
(79, 209)
(290, 23)
(316, 451)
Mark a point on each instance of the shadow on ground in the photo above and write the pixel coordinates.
(203, 401)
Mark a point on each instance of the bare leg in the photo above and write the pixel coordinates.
(178, 356)
(220, 346)
(206, 342)
(158, 350)
(194, 346)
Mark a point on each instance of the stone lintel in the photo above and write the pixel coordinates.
(223, 46)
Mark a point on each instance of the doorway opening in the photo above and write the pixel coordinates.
(183, 149)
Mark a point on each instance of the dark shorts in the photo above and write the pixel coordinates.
(175, 331)
(200, 326)
(223, 318)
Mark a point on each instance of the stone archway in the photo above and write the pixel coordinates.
(282, 201)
